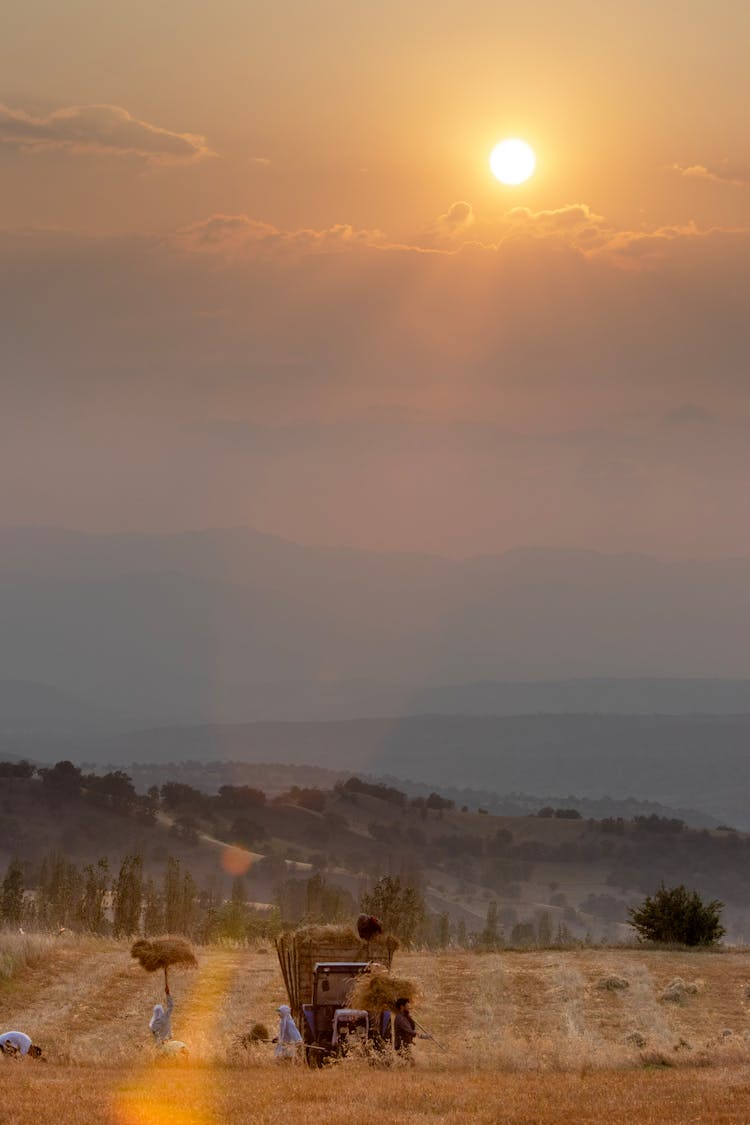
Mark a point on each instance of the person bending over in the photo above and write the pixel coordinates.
(16, 1043)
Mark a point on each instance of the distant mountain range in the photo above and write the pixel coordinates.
(233, 625)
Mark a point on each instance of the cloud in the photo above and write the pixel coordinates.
(263, 161)
(234, 235)
(575, 223)
(98, 129)
(733, 176)
(116, 345)
(452, 225)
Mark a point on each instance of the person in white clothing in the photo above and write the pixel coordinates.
(160, 1024)
(289, 1036)
(17, 1043)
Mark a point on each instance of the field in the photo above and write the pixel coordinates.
(542, 1036)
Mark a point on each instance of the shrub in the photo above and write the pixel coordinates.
(677, 915)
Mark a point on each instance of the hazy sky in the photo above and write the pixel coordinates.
(254, 269)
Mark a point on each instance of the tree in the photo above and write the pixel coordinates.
(58, 893)
(91, 909)
(233, 915)
(188, 895)
(400, 908)
(172, 896)
(544, 930)
(153, 910)
(442, 930)
(240, 797)
(11, 902)
(62, 781)
(175, 795)
(490, 937)
(675, 914)
(246, 832)
(127, 898)
(23, 769)
(114, 789)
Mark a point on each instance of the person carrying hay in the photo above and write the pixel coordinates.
(160, 1024)
(164, 953)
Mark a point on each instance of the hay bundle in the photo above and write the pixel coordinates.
(257, 1034)
(378, 989)
(343, 936)
(678, 990)
(613, 984)
(163, 953)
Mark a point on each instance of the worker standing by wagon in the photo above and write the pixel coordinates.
(405, 1029)
(289, 1038)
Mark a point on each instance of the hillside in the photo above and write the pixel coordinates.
(524, 1037)
(698, 762)
(553, 876)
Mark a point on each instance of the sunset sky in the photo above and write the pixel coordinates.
(255, 270)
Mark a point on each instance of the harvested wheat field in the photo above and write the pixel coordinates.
(545, 1036)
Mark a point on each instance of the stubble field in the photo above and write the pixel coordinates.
(547, 1036)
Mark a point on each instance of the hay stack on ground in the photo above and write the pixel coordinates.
(163, 953)
(378, 989)
(678, 990)
(257, 1035)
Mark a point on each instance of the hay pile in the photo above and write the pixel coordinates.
(678, 990)
(378, 989)
(163, 953)
(344, 936)
(257, 1035)
(613, 984)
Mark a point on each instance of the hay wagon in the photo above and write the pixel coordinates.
(320, 966)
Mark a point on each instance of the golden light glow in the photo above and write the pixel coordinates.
(236, 861)
(512, 161)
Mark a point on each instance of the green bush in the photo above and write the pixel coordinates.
(678, 916)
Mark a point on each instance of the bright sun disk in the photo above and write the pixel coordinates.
(512, 161)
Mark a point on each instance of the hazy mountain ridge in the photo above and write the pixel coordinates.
(234, 625)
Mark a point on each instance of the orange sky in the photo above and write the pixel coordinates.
(255, 269)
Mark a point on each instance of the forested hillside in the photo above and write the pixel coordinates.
(71, 843)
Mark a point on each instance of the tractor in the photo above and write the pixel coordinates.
(319, 965)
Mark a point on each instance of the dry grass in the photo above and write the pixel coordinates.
(192, 1096)
(529, 1037)
(21, 952)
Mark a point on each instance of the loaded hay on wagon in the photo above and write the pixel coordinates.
(378, 989)
(299, 951)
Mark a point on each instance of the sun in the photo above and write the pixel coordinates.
(512, 161)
